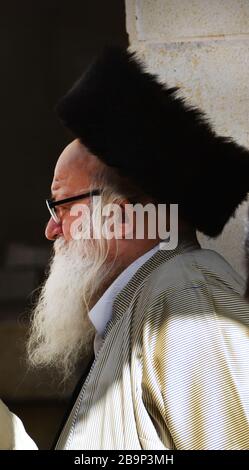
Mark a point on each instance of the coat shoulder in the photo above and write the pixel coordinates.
(200, 266)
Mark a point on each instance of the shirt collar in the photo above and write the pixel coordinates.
(101, 312)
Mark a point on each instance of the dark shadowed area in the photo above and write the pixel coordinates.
(44, 46)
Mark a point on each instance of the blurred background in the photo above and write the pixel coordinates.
(198, 45)
(44, 47)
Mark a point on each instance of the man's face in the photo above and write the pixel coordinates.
(79, 270)
(73, 176)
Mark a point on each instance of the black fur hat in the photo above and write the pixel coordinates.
(131, 121)
(247, 257)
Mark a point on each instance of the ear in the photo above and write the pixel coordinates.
(118, 221)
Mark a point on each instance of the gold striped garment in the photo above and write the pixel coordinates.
(173, 370)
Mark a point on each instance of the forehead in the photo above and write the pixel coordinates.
(75, 168)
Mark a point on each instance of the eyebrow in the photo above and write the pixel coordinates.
(52, 198)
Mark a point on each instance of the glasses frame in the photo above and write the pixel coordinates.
(51, 204)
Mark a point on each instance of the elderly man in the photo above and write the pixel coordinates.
(169, 328)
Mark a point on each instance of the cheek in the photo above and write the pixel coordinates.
(71, 225)
(66, 227)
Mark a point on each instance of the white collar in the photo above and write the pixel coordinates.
(101, 312)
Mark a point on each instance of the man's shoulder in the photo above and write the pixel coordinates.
(199, 266)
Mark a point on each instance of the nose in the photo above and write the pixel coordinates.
(53, 230)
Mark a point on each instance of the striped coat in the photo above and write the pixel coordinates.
(173, 370)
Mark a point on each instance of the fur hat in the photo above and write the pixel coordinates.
(247, 256)
(133, 122)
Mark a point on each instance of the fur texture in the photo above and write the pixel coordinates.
(247, 256)
(131, 121)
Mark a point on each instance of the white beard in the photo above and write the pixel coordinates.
(61, 331)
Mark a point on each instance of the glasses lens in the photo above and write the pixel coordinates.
(54, 215)
(52, 211)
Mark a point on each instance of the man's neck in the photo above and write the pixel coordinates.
(126, 255)
(121, 261)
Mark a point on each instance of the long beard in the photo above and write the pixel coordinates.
(61, 332)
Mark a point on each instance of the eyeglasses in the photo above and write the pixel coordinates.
(51, 204)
